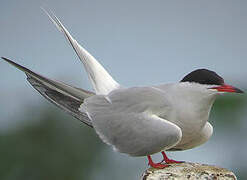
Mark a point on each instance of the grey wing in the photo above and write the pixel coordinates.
(137, 134)
(126, 120)
(66, 97)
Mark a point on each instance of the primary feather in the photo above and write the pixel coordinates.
(62, 95)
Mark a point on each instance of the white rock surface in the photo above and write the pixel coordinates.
(191, 171)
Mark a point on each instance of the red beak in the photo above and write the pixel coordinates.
(227, 88)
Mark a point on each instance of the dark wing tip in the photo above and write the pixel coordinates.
(8, 60)
(5, 59)
(18, 66)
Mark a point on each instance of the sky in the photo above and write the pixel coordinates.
(140, 42)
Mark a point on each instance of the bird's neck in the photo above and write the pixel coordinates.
(191, 106)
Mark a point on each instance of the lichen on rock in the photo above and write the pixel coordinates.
(191, 171)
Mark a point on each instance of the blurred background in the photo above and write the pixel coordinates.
(140, 42)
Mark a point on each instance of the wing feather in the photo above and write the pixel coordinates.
(130, 121)
(66, 97)
(101, 80)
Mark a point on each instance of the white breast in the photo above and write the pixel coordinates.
(190, 109)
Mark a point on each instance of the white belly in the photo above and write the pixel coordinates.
(190, 119)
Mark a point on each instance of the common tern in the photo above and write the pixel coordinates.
(138, 121)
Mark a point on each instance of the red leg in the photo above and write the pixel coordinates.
(156, 165)
(169, 161)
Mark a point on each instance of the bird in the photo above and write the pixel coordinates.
(141, 120)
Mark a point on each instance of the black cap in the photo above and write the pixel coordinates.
(203, 76)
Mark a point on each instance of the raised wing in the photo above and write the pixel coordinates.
(64, 96)
(101, 80)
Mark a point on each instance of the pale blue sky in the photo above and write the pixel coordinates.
(140, 42)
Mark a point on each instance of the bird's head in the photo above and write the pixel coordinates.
(209, 81)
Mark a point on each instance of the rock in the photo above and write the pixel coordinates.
(191, 171)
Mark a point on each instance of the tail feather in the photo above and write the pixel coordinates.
(101, 80)
(62, 95)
